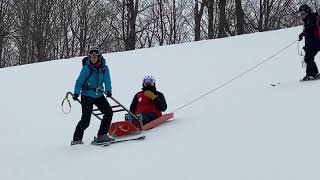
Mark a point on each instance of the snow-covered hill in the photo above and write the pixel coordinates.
(247, 130)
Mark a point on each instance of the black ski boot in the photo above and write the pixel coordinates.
(307, 78)
(76, 142)
(102, 139)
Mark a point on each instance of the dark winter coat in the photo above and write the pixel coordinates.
(312, 42)
(143, 104)
(91, 78)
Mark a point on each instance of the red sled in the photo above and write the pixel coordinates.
(125, 128)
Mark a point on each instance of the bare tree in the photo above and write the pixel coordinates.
(197, 18)
(129, 17)
(22, 27)
(6, 22)
(83, 24)
(161, 19)
(65, 21)
(41, 27)
(268, 15)
(240, 17)
(210, 19)
(46, 29)
(173, 24)
(222, 19)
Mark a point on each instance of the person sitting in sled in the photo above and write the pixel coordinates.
(148, 103)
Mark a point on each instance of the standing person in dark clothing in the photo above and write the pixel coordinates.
(148, 103)
(94, 74)
(312, 41)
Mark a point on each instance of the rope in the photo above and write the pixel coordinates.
(236, 77)
(66, 98)
(300, 52)
(298, 48)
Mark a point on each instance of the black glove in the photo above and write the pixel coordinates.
(109, 94)
(301, 36)
(75, 97)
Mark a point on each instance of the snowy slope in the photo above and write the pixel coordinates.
(247, 130)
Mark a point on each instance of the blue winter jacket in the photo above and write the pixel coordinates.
(97, 78)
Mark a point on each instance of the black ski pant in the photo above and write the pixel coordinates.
(87, 107)
(312, 68)
(148, 117)
(145, 117)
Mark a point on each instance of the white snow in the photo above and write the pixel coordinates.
(246, 130)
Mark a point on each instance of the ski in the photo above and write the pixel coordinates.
(118, 140)
(274, 84)
(314, 79)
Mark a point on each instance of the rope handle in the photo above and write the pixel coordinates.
(300, 52)
(66, 99)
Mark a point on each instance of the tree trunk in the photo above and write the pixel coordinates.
(1, 50)
(210, 19)
(222, 19)
(83, 26)
(261, 15)
(161, 40)
(197, 19)
(132, 11)
(174, 14)
(240, 17)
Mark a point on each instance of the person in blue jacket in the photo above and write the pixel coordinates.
(94, 74)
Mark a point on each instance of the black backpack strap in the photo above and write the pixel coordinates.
(85, 86)
(90, 73)
(84, 61)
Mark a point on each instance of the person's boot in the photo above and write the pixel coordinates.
(138, 122)
(76, 142)
(307, 78)
(103, 138)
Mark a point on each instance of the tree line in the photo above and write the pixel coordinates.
(42, 30)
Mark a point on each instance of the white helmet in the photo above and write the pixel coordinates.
(148, 80)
